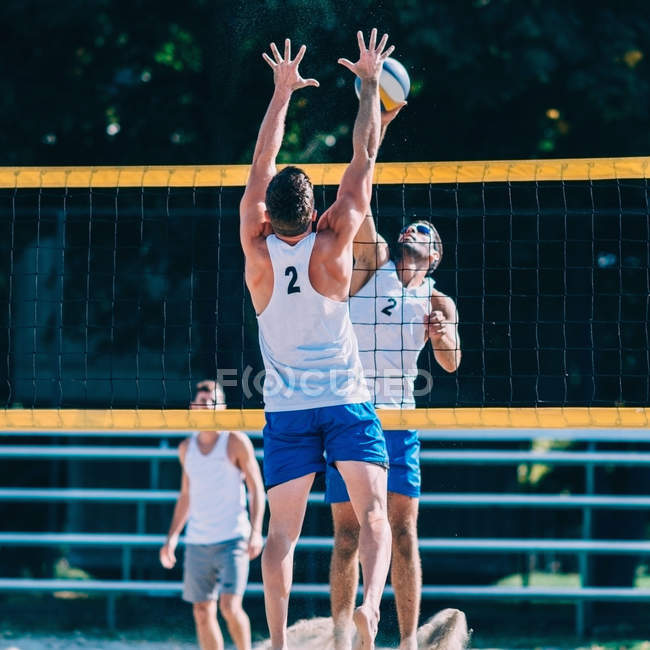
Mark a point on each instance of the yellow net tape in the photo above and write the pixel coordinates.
(479, 171)
(587, 169)
(253, 419)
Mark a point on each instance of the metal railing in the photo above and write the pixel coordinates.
(583, 548)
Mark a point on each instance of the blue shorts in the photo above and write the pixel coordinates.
(403, 469)
(294, 441)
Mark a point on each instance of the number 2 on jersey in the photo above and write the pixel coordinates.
(292, 288)
(388, 309)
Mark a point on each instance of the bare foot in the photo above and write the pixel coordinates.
(366, 622)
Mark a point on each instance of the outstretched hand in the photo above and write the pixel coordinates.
(285, 71)
(371, 59)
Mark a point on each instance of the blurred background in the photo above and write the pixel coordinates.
(154, 82)
(122, 298)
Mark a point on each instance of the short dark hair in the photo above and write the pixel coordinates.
(290, 202)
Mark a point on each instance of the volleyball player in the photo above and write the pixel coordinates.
(220, 539)
(315, 397)
(395, 308)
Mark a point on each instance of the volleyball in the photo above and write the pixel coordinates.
(394, 84)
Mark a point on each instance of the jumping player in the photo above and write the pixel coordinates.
(395, 308)
(315, 396)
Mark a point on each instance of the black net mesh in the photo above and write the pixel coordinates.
(122, 298)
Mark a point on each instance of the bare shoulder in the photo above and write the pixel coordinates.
(331, 254)
(325, 240)
(182, 449)
(330, 267)
(239, 443)
(342, 218)
(253, 224)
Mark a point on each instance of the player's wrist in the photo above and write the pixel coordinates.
(282, 92)
(370, 82)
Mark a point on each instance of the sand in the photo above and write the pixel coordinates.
(445, 631)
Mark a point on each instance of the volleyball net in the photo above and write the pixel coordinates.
(121, 288)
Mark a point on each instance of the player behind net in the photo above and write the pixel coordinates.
(395, 309)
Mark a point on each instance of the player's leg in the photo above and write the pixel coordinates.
(200, 588)
(404, 482)
(406, 570)
(354, 441)
(293, 453)
(207, 628)
(287, 505)
(239, 627)
(366, 484)
(233, 573)
(344, 570)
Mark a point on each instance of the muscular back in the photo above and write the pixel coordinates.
(330, 267)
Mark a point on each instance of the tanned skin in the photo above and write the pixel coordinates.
(242, 455)
(330, 272)
(371, 252)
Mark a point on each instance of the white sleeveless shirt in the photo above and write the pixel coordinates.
(388, 320)
(307, 341)
(217, 495)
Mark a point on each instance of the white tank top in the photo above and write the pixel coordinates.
(388, 320)
(307, 341)
(217, 495)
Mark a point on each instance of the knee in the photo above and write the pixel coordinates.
(346, 541)
(375, 513)
(281, 539)
(278, 545)
(405, 540)
(231, 608)
(203, 612)
(375, 519)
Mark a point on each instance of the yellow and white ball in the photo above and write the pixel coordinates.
(394, 84)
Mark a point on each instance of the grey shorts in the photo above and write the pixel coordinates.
(210, 569)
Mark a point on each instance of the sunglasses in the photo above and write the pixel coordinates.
(420, 227)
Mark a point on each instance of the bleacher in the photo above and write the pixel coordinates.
(506, 450)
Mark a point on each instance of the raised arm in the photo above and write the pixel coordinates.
(353, 199)
(370, 249)
(253, 224)
(370, 252)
